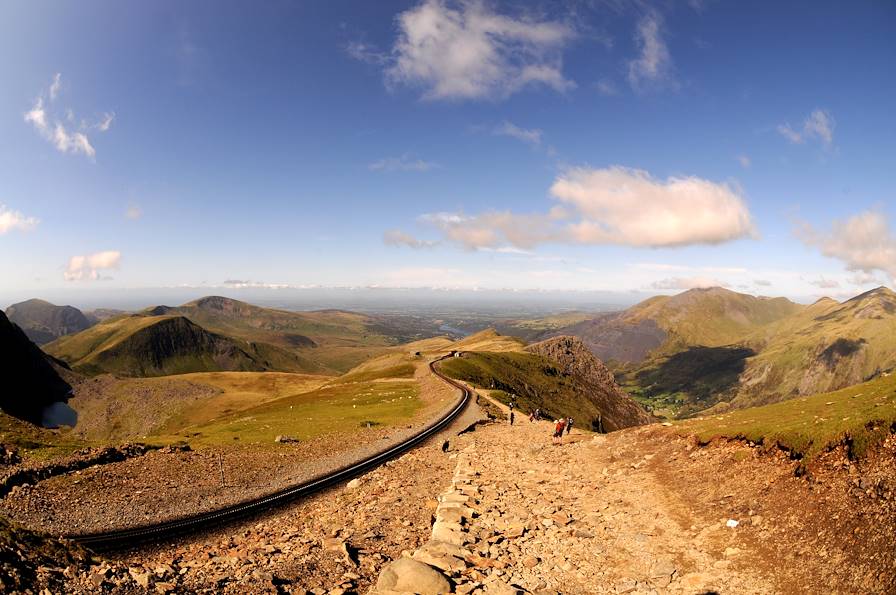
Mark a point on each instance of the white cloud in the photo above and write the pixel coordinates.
(818, 125)
(862, 279)
(606, 87)
(526, 135)
(395, 237)
(762, 283)
(106, 123)
(14, 220)
(628, 206)
(88, 268)
(55, 86)
(823, 283)
(615, 205)
(73, 142)
(687, 283)
(864, 243)
(133, 212)
(403, 163)
(744, 161)
(366, 53)
(465, 51)
(653, 66)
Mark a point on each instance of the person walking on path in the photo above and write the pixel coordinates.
(511, 417)
(558, 431)
(568, 425)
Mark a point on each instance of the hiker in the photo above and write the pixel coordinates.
(558, 430)
(537, 414)
(568, 425)
(511, 417)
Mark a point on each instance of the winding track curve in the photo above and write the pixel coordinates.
(124, 538)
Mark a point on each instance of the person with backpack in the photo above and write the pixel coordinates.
(559, 426)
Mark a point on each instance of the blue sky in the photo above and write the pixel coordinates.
(619, 146)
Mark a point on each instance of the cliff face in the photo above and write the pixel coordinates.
(596, 383)
(30, 379)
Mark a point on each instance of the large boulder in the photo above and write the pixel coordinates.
(410, 576)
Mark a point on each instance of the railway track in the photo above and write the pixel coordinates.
(125, 538)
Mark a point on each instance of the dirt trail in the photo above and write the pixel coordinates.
(595, 520)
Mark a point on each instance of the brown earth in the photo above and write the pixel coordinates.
(640, 510)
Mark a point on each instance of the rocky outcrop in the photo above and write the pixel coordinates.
(615, 408)
(31, 380)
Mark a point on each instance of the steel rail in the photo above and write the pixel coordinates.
(128, 537)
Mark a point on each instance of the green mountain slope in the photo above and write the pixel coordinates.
(559, 376)
(332, 340)
(161, 345)
(826, 347)
(43, 322)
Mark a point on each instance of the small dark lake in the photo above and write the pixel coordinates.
(58, 414)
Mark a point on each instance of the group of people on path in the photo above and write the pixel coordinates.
(564, 424)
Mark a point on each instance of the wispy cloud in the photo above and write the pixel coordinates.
(403, 163)
(395, 237)
(465, 50)
(364, 52)
(818, 125)
(531, 136)
(56, 132)
(682, 283)
(653, 66)
(133, 212)
(864, 242)
(614, 205)
(745, 161)
(90, 267)
(14, 220)
(762, 283)
(55, 86)
(823, 283)
(606, 87)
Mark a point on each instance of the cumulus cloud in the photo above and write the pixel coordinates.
(395, 237)
(14, 220)
(653, 66)
(687, 283)
(614, 205)
(403, 163)
(531, 136)
(864, 242)
(464, 50)
(89, 267)
(65, 140)
(818, 125)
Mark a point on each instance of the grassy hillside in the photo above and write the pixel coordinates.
(489, 340)
(859, 416)
(137, 345)
(825, 347)
(710, 317)
(333, 340)
(43, 322)
(571, 388)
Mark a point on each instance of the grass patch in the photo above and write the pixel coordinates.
(36, 443)
(405, 370)
(332, 409)
(859, 416)
(536, 381)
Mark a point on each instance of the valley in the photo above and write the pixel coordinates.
(176, 411)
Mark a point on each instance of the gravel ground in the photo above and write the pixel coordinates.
(163, 486)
